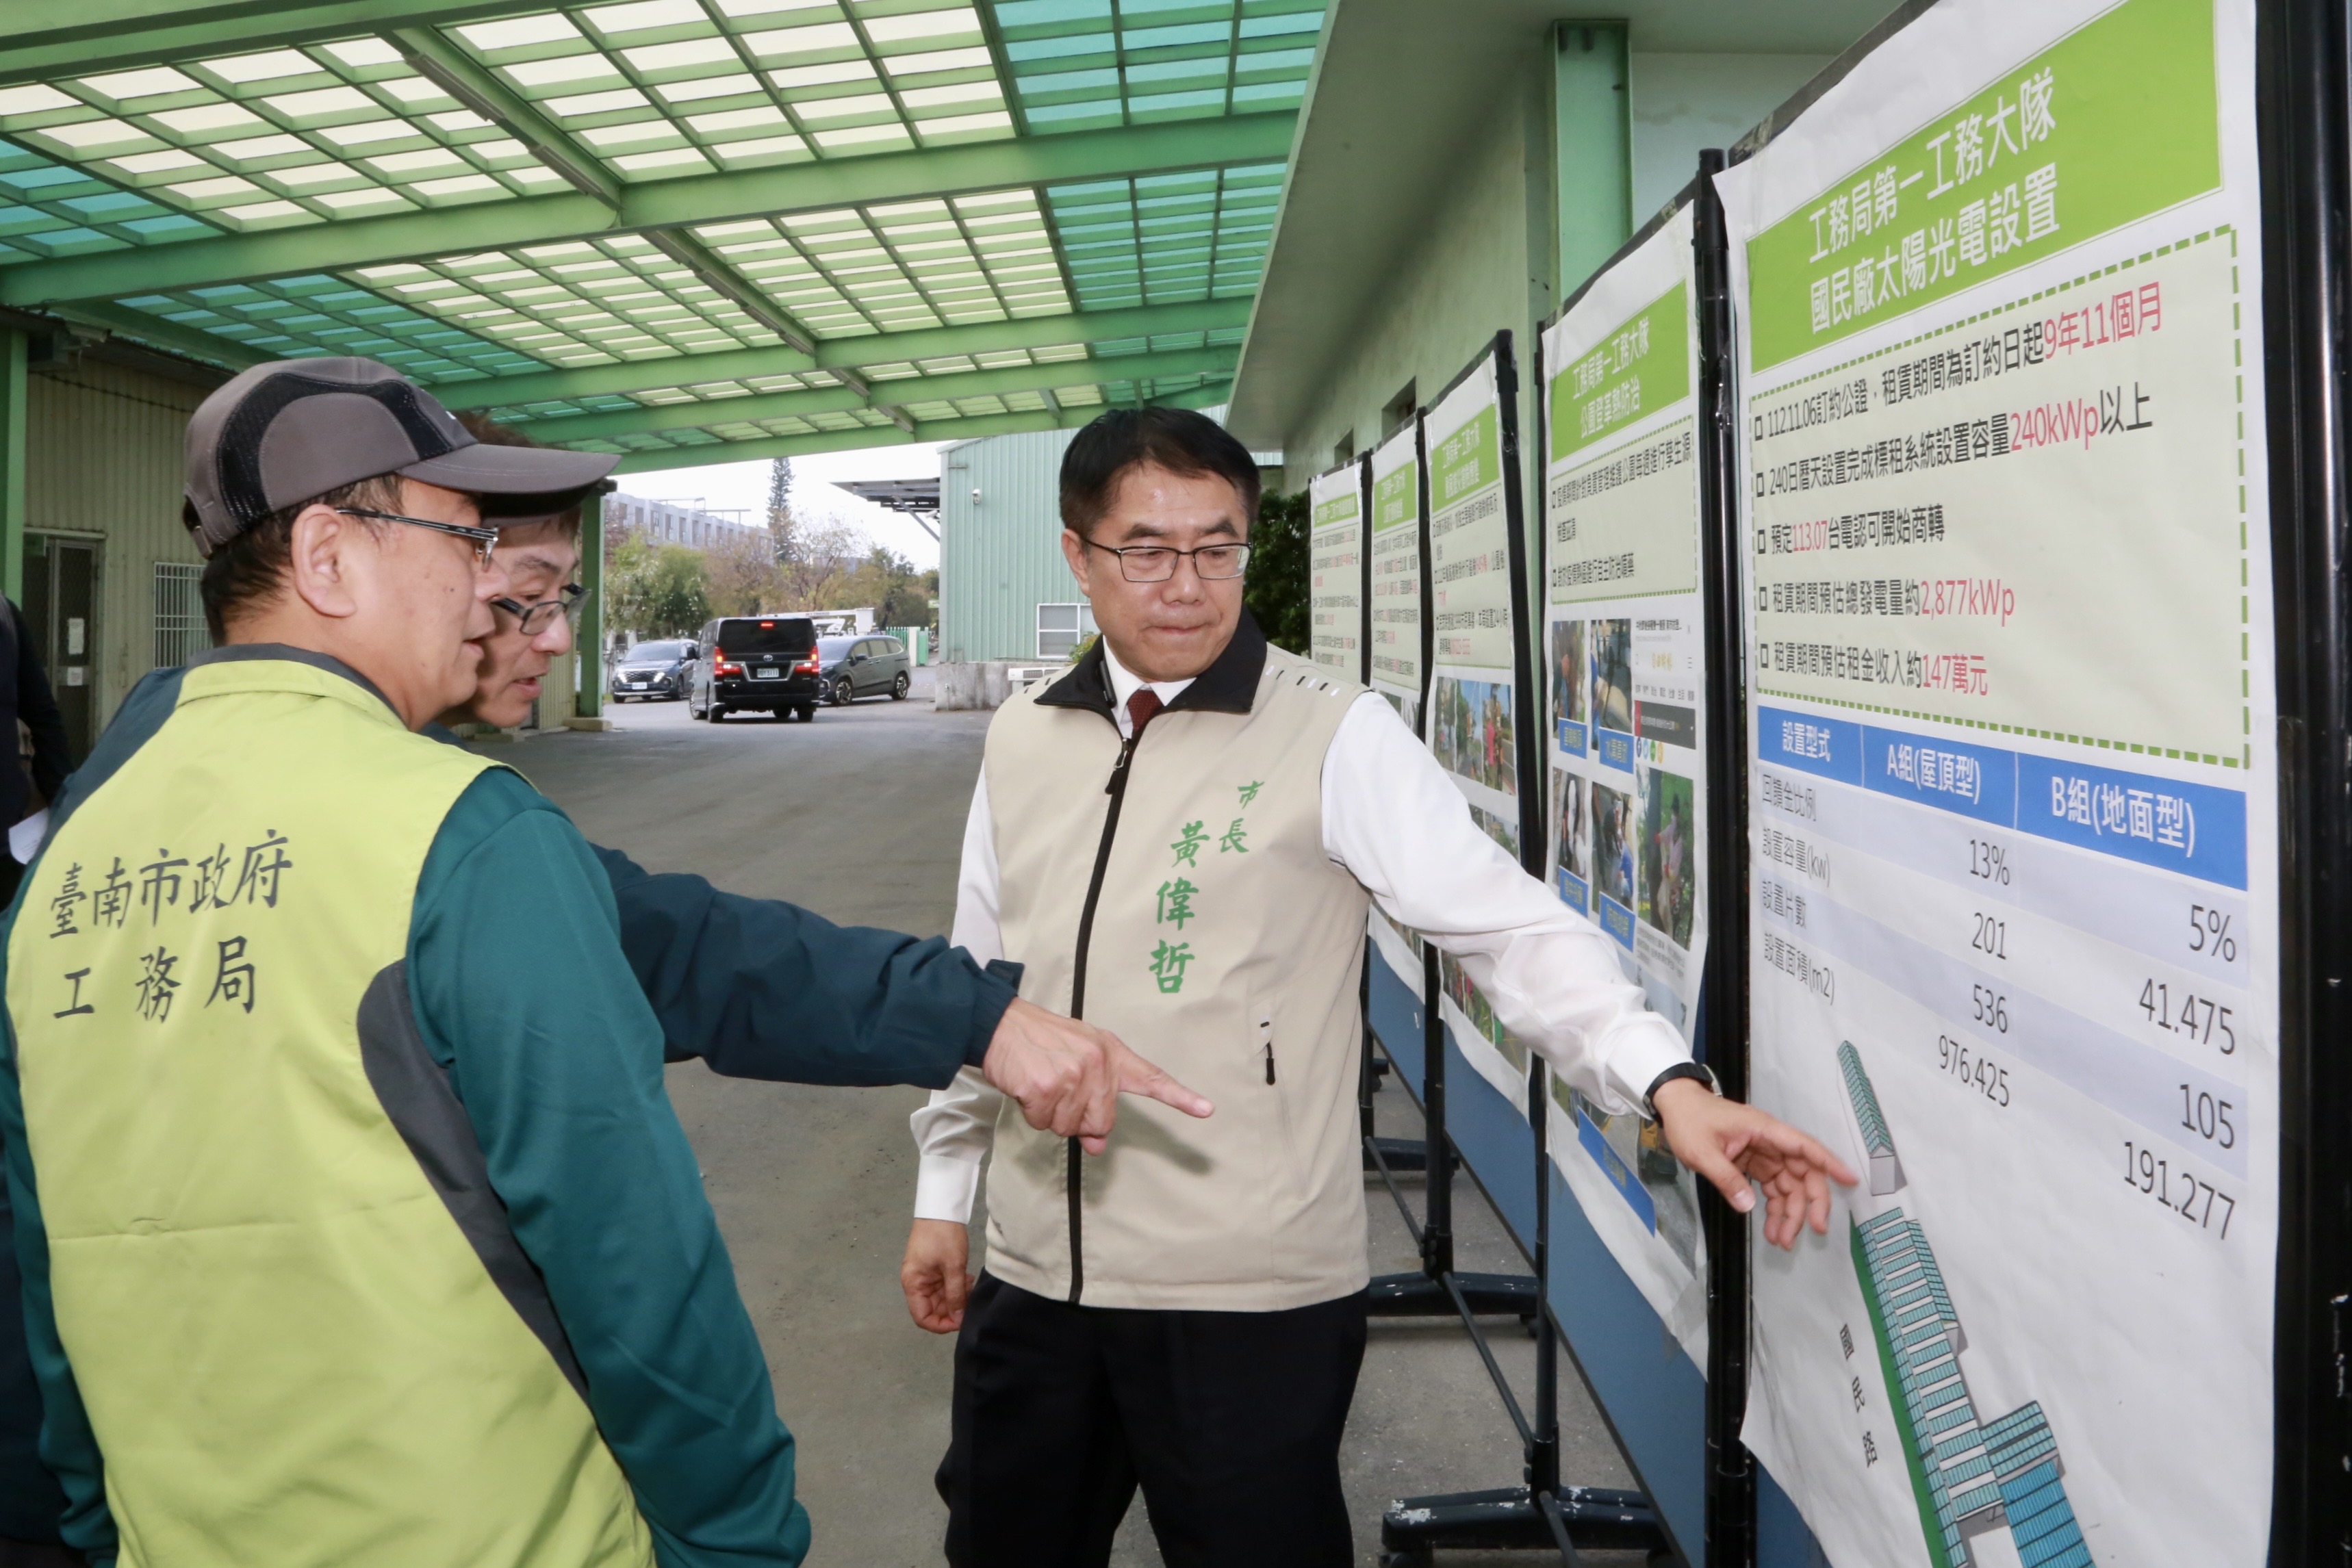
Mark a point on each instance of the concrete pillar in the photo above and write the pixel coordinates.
(13, 392)
(1592, 118)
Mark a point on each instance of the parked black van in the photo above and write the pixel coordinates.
(754, 663)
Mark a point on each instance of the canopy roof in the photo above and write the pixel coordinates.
(688, 230)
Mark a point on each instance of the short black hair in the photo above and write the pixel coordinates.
(1176, 439)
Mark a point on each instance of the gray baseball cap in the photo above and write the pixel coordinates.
(287, 432)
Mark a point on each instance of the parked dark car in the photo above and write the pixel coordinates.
(868, 666)
(653, 670)
(765, 663)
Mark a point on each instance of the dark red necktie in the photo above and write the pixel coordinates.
(1140, 710)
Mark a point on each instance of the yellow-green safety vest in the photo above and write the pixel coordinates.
(300, 1324)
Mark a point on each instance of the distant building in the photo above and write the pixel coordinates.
(669, 523)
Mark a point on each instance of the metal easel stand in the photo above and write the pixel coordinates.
(1425, 1294)
(1539, 1514)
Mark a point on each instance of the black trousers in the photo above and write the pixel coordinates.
(1230, 1422)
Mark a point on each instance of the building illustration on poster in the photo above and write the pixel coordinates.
(2014, 882)
(1970, 1476)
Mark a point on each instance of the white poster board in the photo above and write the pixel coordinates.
(2012, 856)
(1396, 630)
(1472, 726)
(1334, 570)
(1626, 717)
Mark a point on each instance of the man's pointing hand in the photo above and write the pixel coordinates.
(1067, 1075)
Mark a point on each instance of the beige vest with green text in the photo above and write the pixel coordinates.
(291, 1351)
(1226, 948)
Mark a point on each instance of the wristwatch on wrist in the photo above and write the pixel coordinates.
(1698, 1070)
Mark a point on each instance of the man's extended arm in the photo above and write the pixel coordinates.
(1394, 820)
(761, 988)
(521, 990)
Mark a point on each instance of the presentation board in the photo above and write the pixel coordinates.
(1397, 630)
(1473, 726)
(1397, 633)
(2013, 881)
(1334, 570)
(1625, 716)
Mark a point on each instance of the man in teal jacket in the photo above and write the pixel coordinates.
(539, 1037)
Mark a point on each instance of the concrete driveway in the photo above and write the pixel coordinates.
(860, 816)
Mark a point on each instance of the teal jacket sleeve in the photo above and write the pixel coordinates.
(761, 988)
(521, 991)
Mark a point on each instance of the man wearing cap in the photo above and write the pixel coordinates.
(355, 1225)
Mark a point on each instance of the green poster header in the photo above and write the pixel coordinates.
(1643, 366)
(2114, 122)
(1393, 496)
(1339, 508)
(1470, 459)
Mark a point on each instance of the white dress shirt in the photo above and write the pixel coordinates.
(1394, 821)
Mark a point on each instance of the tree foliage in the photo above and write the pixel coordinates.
(657, 591)
(671, 590)
(1275, 587)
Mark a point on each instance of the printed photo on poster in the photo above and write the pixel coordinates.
(1567, 686)
(1613, 675)
(1474, 736)
(1571, 856)
(1612, 844)
(1506, 833)
(1633, 1155)
(1473, 732)
(1474, 1006)
(1669, 841)
(1407, 708)
(1613, 692)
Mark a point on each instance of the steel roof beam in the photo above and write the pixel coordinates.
(194, 342)
(702, 415)
(932, 171)
(887, 436)
(839, 353)
(42, 40)
(460, 75)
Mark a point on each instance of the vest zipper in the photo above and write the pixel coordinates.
(1270, 1062)
(1116, 787)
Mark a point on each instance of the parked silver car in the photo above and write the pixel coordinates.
(864, 666)
(653, 670)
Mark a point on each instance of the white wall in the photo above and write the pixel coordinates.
(1685, 103)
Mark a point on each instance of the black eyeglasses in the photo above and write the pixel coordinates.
(1157, 563)
(537, 618)
(485, 540)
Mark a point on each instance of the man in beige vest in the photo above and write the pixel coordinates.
(1180, 840)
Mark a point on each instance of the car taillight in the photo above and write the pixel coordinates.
(809, 668)
(721, 668)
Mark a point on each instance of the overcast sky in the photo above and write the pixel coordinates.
(740, 489)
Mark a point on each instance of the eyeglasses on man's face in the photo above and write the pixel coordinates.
(533, 619)
(1157, 563)
(484, 541)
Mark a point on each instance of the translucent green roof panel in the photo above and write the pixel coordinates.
(1166, 237)
(1079, 64)
(586, 104)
